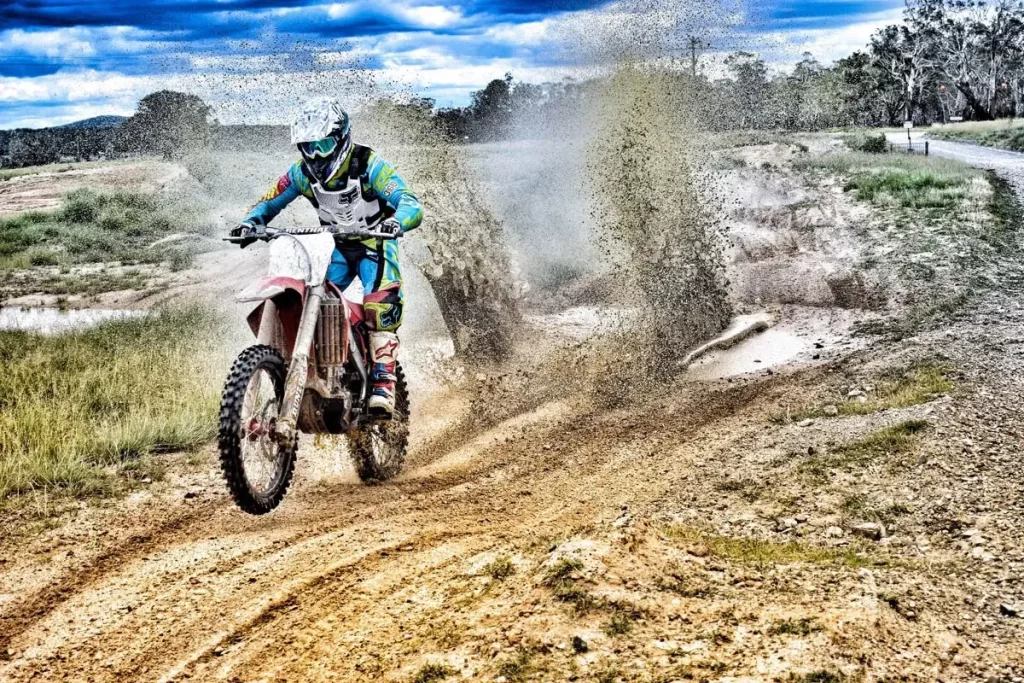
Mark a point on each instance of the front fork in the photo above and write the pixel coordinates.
(298, 369)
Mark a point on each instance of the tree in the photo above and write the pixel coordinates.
(492, 107)
(751, 83)
(902, 54)
(168, 123)
(33, 147)
(976, 44)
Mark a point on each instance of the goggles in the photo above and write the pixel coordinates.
(319, 149)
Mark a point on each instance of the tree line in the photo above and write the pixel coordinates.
(166, 123)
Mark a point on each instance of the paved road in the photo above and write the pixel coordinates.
(1012, 163)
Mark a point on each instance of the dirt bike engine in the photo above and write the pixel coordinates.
(346, 208)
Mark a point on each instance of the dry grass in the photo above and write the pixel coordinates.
(762, 553)
(429, 673)
(803, 627)
(8, 173)
(1003, 134)
(101, 228)
(882, 445)
(500, 569)
(76, 407)
(916, 385)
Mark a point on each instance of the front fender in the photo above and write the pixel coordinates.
(269, 287)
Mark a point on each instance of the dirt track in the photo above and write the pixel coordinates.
(348, 582)
(698, 546)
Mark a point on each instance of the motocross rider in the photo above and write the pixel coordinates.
(342, 179)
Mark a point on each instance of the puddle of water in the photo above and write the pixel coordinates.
(767, 349)
(55, 321)
(801, 334)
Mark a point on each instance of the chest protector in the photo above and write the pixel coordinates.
(347, 208)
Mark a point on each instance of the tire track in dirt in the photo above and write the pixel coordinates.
(480, 503)
(316, 650)
(39, 605)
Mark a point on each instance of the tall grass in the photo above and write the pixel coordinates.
(94, 228)
(74, 407)
(1004, 134)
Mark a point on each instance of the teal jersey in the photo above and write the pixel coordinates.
(380, 181)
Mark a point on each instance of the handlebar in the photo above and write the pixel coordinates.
(269, 233)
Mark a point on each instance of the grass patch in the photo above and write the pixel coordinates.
(500, 569)
(899, 439)
(795, 627)
(93, 228)
(1004, 134)
(8, 173)
(624, 616)
(610, 675)
(903, 181)
(447, 634)
(748, 489)
(429, 673)
(913, 386)
(77, 406)
(861, 507)
(909, 189)
(895, 440)
(821, 676)
(517, 667)
(561, 579)
(762, 553)
(1005, 207)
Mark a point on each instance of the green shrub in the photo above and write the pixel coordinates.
(44, 257)
(17, 235)
(134, 200)
(874, 144)
(81, 206)
(114, 219)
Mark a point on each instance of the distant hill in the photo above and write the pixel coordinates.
(108, 121)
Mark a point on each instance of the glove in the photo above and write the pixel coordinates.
(391, 227)
(248, 231)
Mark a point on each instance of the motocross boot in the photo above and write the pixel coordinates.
(384, 355)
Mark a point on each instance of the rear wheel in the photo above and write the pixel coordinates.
(378, 448)
(257, 467)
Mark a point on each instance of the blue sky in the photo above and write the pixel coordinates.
(63, 60)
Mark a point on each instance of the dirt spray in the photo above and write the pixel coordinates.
(655, 216)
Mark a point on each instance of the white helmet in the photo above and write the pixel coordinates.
(323, 134)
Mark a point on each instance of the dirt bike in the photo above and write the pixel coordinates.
(308, 373)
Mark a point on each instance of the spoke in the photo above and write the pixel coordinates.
(259, 452)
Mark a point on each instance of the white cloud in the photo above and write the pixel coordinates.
(61, 43)
(421, 16)
(431, 16)
(528, 33)
(71, 86)
(827, 44)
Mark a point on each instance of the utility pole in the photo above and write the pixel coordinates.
(695, 44)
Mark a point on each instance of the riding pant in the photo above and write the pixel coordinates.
(376, 264)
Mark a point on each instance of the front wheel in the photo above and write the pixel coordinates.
(378, 448)
(257, 467)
